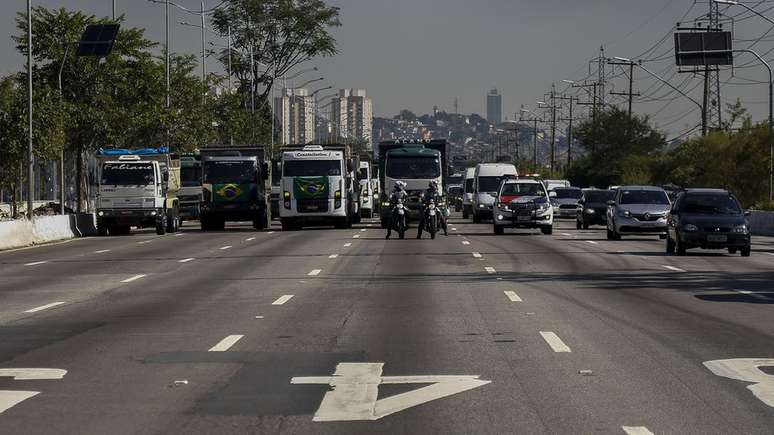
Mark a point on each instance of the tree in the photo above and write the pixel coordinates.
(282, 34)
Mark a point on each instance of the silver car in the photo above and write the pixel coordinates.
(638, 210)
(565, 202)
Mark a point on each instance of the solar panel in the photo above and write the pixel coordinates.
(97, 40)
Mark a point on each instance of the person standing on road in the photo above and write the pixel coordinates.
(398, 195)
(432, 194)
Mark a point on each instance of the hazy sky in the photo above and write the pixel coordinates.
(418, 53)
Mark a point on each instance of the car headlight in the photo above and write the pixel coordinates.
(690, 228)
(741, 229)
(481, 206)
(101, 213)
(590, 211)
(545, 207)
(625, 213)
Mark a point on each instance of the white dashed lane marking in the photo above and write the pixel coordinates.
(347, 245)
(567, 234)
(225, 247)
(356, 236)
(134, 278)
(553, 340)
(44, 307)
(314, 272)
(226, 343)
(465, 242)
(490, 269)
(363, 230)
(102, 251)
(250, 239)
(476, 255)
(512, 296)
(36, 263)
(282, 299)
(674, 269)
(186, 260)
(592, 242)
(333, 256)
(636, 430)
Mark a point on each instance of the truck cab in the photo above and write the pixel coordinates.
(232, 190)
(316, 188)
(137, 188)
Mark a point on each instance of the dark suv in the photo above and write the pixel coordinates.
(707, 219)
(592, 208)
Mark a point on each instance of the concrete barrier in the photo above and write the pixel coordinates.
(761, 223)
(45, 229)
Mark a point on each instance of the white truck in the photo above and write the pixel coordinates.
(366, 190)
(137, 188)
(317, 187)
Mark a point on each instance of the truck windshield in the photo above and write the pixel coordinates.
(413, 167)
(311, 168)
(127, 174)
(191, 175)
(216, 172)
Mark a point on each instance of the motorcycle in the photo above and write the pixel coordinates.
(399, 223)
(431, 219)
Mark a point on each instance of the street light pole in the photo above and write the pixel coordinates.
(114, 10)
(30, 162)
(204, 50)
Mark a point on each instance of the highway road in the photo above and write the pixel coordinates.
(343, 332)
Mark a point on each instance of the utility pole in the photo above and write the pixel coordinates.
(204, 52)
(712, 76)
(593, 104)
(570, 119)
(552, 96)
(534, 122)
(114, 10)
(30, 161)
(631, 94)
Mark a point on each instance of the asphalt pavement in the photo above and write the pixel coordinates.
(343, 332)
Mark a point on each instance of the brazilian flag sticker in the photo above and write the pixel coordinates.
(311, 187)
(231, 192)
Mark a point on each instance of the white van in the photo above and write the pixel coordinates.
(486, 184)
(467, 193)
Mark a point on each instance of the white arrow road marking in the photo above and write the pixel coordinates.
(355, 388)
(674, 269)
(747, 370)
(134, 278)
(314, 272)
(476, 255)
(9, 399)
(636, 430)
(226, 343)
(512, 296)
(490, 269)
(553, 340)
(186, 260)
(36, 263)
(282, 299)
(44, 307)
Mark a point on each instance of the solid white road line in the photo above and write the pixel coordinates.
(673, 269)
(226, 343)
(333, 256)
(465, 242)
(44, 307)
(134, 278)
(282, 299)
(490, 269)
(314, 272)
(512, 296)
(36, 263)
(636, 430)
(102, 251)
(554, 341)
(347, 245)
(225, 247)
(250, 239)
(186, 260)
(476, 255)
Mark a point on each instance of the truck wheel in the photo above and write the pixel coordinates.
(259, 223)
(205, 223)
(161, 226)
(287, 225)
(745, 251)
(499, 230)
(465, 213)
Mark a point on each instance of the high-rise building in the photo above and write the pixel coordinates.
(494, 107)
(295, 112)
(352, 115)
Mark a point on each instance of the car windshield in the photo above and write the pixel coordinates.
(644, 197)
(523, 189)
(489, 184)
(191, 175)
(413, 167)
(311, 168)
(599, 196)
(568, 193)
(127, 174)
(710, 204)
(219, 172)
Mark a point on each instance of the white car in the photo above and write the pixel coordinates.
(523, 203)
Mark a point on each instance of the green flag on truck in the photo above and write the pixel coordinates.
(311, 187)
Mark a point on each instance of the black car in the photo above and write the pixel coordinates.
(592, 208)
(707, 219)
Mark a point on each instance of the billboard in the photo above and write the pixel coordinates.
(703, 48)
